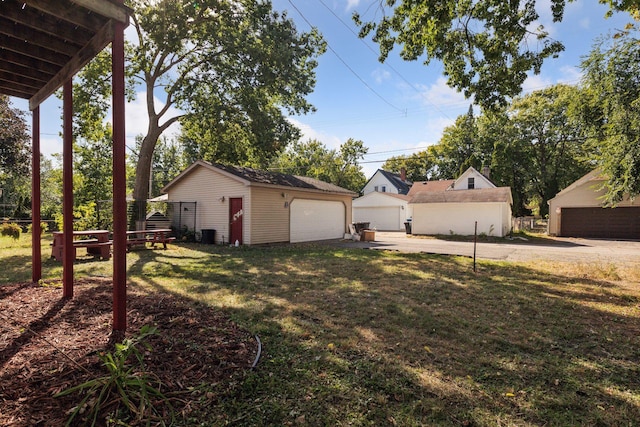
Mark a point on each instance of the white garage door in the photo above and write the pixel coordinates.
(381, 218)
(316, 220)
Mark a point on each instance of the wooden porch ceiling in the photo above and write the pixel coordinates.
(44, 43)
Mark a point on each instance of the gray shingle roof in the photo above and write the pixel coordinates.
(402, 186)
(281, 179)
(481, 195)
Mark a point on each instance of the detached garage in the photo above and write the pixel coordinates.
(383, 211)
(458, 212)
(577, 211)
(257, 207)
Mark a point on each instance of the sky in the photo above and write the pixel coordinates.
(395, 108)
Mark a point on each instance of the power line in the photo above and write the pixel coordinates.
(404, 111)
(396, 151)
(385, 63)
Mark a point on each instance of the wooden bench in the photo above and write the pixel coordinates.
(153, 236)
(84, 242)
(98, 244)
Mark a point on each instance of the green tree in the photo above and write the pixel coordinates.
(459, 148)
(418, 166)
(555, 149)
(509, 164)
(93, 178)
(612, 110)
(231, 65)
(487, 47)
(15, 157)
(168, 162)
(51, 188)
(14, 139)
(315, 160)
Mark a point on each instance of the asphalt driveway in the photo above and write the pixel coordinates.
(557, 249)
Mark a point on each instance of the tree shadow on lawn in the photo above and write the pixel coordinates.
(373, 337)
(15, 266)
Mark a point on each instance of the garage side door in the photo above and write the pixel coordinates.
(316, 220)
(607, 223)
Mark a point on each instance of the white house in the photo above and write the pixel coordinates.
(386, 182)
(471, 179)
(445, 207)
(384, 204)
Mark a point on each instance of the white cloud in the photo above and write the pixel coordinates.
(567, 75)
(441, 95)
(380, 75)
(352, 4)
(137, 119)
(49, 146)
(443, 105)
(570, 75)
(434, 128)
(536, 82)
(330, 141)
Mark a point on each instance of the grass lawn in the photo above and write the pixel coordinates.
(358, 337)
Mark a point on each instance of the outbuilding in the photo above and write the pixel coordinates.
(383, 211)
(458, 211)
(456, 206)
(578, 211)
(252, 206)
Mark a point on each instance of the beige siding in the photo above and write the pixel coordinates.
(266, 217)
(211, 211)
(587, 195)
(270, 216)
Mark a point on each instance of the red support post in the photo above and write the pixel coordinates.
(68, 251)
(119, 183)
(36, 245)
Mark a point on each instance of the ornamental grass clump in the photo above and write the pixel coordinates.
(10, 229)
(127, 393)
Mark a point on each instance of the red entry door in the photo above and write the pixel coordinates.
(235, 220)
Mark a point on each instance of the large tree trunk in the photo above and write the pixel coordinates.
(143, 172)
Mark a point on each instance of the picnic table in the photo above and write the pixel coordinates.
(96, 242)
(153, 236)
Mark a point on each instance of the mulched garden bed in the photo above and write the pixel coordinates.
(48, 344)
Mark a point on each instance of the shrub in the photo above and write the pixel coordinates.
(10, 229)
(43, 227)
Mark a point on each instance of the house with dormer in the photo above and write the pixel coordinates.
(458, 206)
(384, 203)
(387, 182)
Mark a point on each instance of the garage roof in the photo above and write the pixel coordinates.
(44, 43)
(439, 185)
(479, 195)
(593, 177)
(261, 177)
